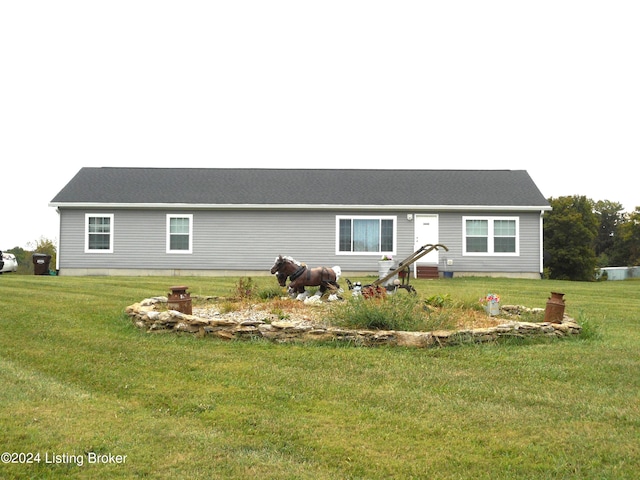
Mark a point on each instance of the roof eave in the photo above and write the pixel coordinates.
(197, 206)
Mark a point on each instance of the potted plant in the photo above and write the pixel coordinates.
(384, 265)
(491, 304)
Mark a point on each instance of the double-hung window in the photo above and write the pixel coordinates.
(179, 233)
(364, 235)
(490, 236)
(98, 233)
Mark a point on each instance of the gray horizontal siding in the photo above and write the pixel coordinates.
(528, 261)
(222, 240)
(250, 240)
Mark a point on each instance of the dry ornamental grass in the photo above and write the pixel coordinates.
(323, 313)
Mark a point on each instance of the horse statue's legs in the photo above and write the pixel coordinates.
(335, 292)
(302, 296)
(333, 297)
(319, 293)
(315, 297)
(298, 292)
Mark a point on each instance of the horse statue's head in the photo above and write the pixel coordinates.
(279, 262)
(284, 264)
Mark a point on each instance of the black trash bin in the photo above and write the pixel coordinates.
(41, 263)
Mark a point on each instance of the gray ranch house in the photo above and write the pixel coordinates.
(217, 221)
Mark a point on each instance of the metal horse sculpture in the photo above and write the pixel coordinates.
(300, 276)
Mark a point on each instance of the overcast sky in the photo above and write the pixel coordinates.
(551, 87)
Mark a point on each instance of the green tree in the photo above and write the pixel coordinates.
(611, 216)
(21, 255)
(570, 231)
(627, 241)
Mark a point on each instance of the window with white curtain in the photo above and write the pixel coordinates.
(364, 235)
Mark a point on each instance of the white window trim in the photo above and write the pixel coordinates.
(168, 239)
(367, 217)
(87, 216)
(491, 236)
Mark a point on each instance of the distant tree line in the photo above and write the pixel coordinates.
(581, 235)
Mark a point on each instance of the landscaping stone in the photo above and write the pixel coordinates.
(146, 315)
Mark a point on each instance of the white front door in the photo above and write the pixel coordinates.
(426, 232)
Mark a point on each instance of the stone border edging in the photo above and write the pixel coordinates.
(145, 315)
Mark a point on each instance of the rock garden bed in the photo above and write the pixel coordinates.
(285, 320)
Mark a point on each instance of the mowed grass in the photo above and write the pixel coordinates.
(76, 377)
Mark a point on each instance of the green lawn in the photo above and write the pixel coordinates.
(78, 381)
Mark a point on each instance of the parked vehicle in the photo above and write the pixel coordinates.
(8, 262)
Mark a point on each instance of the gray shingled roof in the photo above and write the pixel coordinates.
(235, 186)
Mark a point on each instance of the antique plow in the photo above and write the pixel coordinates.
(403, 271)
